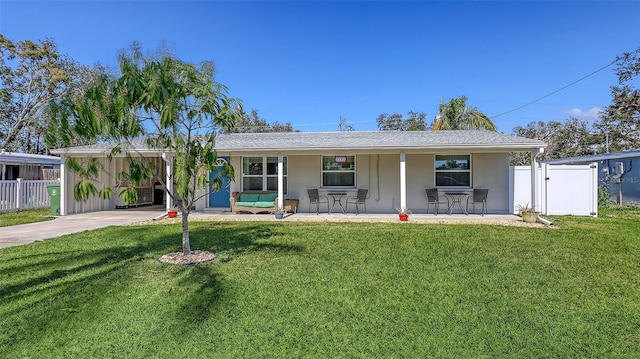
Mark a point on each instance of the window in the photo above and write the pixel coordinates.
(453, 170)
(338, 171)
(12, 172)
(261, 173)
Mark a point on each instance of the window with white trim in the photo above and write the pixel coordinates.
(338, 171)
(261, 173)
(453, 170)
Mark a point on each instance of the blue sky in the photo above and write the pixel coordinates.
(310, 63)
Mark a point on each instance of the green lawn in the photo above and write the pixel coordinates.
(12, 218)
(322, 290)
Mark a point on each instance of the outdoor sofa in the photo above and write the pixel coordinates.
(254, 201)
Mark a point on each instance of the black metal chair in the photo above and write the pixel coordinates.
(479, 196)
(434, 198)
(317, 199)
(359, 198)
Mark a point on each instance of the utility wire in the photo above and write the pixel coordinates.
(556, 91)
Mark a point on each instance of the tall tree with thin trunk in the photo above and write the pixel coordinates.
(175, 106)
(457, 115)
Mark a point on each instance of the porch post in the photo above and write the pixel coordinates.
(403, 181)
(63, 186)
(280, 181)
(535, 179)
(169, 183)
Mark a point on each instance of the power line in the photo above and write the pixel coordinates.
(556, 91)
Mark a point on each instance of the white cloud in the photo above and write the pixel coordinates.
(590, 114)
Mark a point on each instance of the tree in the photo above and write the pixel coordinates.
(253, 123)
(620, 121)
(33, 75)
(416, 121)
(344, 126)
(570, 138)
(175, 106)
(281, 127)
(456, 115)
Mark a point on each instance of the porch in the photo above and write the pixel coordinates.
(506, 219)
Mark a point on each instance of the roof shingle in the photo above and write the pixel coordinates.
(351, 140)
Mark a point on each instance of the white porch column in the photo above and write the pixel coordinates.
(63, 186)
(168, 181)
(535, 180)
(403, 181)
(280, 181)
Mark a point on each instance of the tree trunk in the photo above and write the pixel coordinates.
(186, 246)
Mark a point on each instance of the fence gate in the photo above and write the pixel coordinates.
(570, 189)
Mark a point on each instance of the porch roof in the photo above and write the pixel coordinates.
(370, 141)
(373, 140)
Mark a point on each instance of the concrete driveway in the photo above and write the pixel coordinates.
(28, 233)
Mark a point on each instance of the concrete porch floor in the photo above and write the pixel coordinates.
(73, 223)
(352, 217)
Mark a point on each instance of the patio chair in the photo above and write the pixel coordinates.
(359, 198)
(479, 196)
(434, 198)
(317, 199)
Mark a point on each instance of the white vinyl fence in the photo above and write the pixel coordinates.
(564, 189)
(22, 194)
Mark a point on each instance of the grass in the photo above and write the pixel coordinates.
(12, 218)
(329, 290)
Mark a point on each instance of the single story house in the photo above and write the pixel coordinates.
(14, 165)
(619, 172)
(395, 167)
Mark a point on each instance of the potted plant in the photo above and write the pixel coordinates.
(172, 212)
(528, 213)
(279, 213)
(403, 213)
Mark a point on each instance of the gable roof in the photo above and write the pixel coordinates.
(372, 140)
(369, 141)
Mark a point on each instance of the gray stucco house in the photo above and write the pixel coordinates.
(396, 167)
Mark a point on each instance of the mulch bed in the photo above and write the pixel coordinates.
(194, 258)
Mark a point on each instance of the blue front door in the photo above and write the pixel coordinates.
(220, 198)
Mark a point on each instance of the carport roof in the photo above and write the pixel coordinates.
(350, 140)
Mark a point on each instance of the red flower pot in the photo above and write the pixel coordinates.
(403, 217)
(172, 214)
